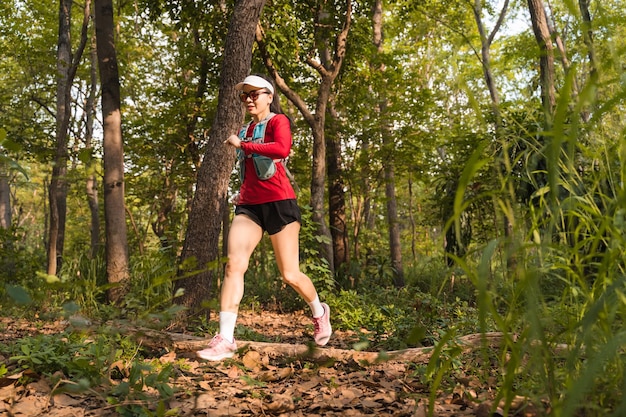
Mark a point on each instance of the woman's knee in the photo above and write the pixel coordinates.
(237, 264)
(293, 278)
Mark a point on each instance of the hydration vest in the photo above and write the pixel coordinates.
(265, 167)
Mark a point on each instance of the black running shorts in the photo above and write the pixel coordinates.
(274, 216)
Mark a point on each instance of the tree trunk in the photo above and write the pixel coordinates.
(57, 192)
(591, 55)
(395, 246)
(201, 246)
(91, 185)
(588, 36)
(5, 197)
(546, 61)
(114, 212)
(486, 41)
(336, 195)
(468, 344)
(363, 217)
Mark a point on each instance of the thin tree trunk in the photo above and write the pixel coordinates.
(114, 210)
(5, 198)
(365, 218)
(486, 41)
(57, 193)
(6, 219)
(201, 246)
(336, 195)
(546, 59)
(395, 247)
(67, 66)
(565, 62)
(91, 185)
(588, 38)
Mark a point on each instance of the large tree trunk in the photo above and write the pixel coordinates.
(114, 212)
(201, 246)
(395, 246)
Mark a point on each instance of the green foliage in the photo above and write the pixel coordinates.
(391, 319)
(92, 362)
(554, 287)
(130, 393)
(75, 355)
(312, 262)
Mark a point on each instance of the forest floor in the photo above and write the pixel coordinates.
(262, 381)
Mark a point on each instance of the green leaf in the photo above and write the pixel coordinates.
(18, 294)
(84, 155)
(50, 279)
(416, 335)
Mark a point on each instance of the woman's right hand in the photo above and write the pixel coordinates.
(233, 140)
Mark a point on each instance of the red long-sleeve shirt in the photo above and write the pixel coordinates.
(277, 145)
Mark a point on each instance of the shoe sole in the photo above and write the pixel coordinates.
(225, 355)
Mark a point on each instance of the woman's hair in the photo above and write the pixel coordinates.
(275, 104)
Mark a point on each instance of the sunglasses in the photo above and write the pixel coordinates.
(254, 95)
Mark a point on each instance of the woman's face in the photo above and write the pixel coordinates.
(256, 100)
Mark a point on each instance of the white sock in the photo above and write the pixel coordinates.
(316, 307)
(227, 325)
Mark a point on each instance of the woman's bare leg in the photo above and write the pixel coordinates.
(287, 253)
(286, 249)
(243, 237)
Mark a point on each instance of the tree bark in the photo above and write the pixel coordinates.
(201, 247)
(395, 246)
(468, 343)
(5, 197)
(546, 59)
(588, 37)
(91, 184)
(114, 210)
(485, 42)
(57, 192)
(336, 194)
(67, 66)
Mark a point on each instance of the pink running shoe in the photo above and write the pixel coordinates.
(323, 329)
(218, 349)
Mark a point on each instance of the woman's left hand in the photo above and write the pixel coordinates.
(233, 140)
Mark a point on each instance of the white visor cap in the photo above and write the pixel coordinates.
(255, 81)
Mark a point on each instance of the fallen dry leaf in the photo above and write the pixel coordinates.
(262, 380)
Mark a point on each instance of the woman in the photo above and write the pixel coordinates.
(263, 205)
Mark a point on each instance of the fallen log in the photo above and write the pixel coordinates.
(185, 343)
